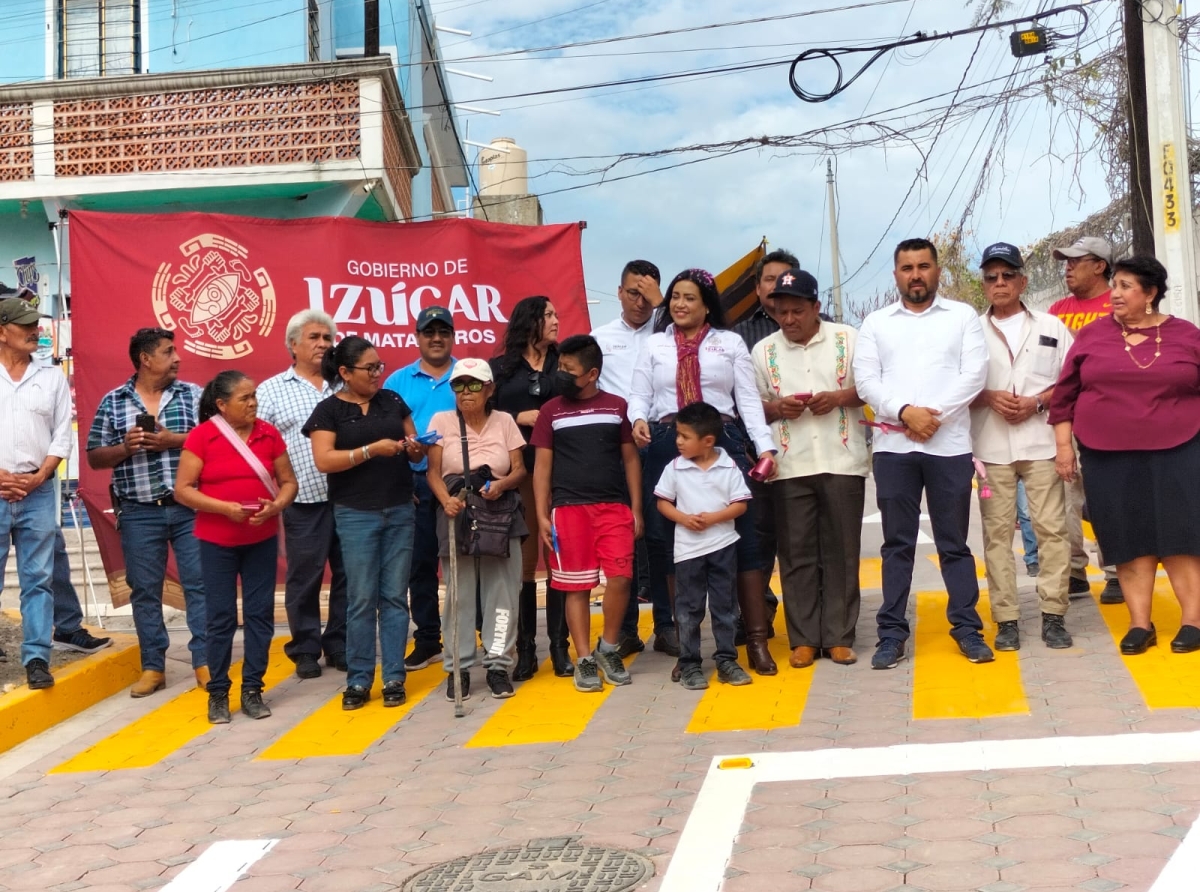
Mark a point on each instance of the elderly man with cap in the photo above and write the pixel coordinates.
(1010, 436)
(1088, 270)
(805, 377)
(287, 401)
(35, 403)
(425, 386)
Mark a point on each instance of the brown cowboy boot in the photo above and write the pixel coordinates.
(754, 615)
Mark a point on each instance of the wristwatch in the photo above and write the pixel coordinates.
(1041, 407)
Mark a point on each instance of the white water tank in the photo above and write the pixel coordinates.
(503, 173)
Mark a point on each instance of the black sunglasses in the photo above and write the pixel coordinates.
(537, 384)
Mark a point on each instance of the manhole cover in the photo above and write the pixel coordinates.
(562, 864)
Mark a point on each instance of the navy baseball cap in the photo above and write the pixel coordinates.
(430, 315)
(796, 283)
(1003, 251)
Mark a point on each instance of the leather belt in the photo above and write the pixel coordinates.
(166, 501)
(670, 419)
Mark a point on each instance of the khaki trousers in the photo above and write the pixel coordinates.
(1079, 556)
(1048, 511)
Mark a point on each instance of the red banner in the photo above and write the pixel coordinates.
(228, 285)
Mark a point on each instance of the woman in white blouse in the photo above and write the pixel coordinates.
(694, 359)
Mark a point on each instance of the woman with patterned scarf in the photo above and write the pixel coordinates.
(696, 358)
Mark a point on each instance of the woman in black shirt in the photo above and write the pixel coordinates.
(524, 375)
(363, 438)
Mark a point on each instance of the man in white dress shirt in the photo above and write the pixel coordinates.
(620, 341)
(35, 403)
(1011, 437)
(920, 363)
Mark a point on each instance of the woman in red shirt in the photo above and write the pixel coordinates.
(1129, 392)
(237, 496)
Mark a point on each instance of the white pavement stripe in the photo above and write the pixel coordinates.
(700, 859)
(922, 538)
(1183, 868)
(220, 866)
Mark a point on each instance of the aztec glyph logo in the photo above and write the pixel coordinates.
(214, 298)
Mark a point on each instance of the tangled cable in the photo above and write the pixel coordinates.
(833, 54)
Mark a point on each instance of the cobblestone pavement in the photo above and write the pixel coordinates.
(126, 796)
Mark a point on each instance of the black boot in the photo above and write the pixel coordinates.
(556, 630)
(526, 633)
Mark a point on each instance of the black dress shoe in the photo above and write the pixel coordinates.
(560, 660)
(336, 661)
(1137, 641)
(526, 664)
(1186, 641)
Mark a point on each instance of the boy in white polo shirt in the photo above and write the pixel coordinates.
(702, 492)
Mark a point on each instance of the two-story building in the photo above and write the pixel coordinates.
(256, 107)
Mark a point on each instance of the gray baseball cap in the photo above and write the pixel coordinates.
(1089, 244)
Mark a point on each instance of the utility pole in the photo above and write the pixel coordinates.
(1171, 191)
(833, 241)
(370, 28)
(1140, 190)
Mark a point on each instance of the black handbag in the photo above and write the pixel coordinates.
(484, 525)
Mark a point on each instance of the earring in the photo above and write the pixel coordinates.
(1149, 309)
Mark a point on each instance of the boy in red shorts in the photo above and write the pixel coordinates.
(587, 481)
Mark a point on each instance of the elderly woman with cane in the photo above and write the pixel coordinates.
(475, 472)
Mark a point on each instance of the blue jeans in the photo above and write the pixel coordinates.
(1028, 538)
(28, 526)
(423, 575)
(222, 566)
(68, 613)
(146, 531)
(377, 549)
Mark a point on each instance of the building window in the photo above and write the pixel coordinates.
(314, 31)
(98, 38)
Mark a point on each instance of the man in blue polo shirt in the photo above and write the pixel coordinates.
(425, 387)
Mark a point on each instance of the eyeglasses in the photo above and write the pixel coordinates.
(1071, 261)
(635, 295)
(471, 385)
(375, 368)
(436, 332)
(537, 384)
(1007, 275)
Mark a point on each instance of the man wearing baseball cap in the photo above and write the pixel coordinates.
(425, 386)
(1010, 436)
(805, 378)
(1088, 269)
(35, 403)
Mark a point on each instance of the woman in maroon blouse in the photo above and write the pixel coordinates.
(1129, 393)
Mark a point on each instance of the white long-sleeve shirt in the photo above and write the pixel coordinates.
(620, 343)
(726, 382)
(37, 417)
(936, 358)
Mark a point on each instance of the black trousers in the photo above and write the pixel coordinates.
(713, 578)
(900, 478)
(766, 529)
(311, 541)
(819, 524)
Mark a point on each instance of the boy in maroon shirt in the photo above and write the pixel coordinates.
(588, 484)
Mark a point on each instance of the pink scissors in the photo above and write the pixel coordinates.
(885, 426)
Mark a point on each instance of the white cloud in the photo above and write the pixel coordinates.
(709, 213)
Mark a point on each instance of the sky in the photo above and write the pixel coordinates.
(712, 211)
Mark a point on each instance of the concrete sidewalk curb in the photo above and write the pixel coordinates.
(77, 686)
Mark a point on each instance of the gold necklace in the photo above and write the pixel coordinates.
(1157, 344)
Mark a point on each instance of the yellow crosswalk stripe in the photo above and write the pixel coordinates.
(332, 731)
(1166, 680)
(167, 729)
(945, 685)
(870, 573)
(773, 701)
(547, 709)
(980, 569)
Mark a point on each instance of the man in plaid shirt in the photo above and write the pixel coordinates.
(287, 401)
(144, 462)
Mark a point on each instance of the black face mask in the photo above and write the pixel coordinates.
(565, 384)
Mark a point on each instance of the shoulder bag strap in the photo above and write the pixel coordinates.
(462, 427)
(243, 449)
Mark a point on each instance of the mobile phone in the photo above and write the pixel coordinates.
(803, 397)
(145, 421)
(251, 507)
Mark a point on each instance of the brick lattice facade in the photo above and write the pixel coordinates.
(302, 123)
(16, 142)
(398, 173)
